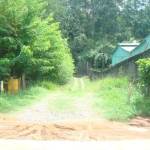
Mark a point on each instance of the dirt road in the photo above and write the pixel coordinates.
(73, 130)
(40, 123)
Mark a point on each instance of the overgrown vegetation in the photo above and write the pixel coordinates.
(11, 103)
(47, 85)
(111, 99)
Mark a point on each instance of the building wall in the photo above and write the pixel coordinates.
(127, 67)
(119, 55)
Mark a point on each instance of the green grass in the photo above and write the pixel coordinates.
(11, 103)
(67, 87)
(111, 99)
(109, 96)
(63, 104)
(66, 103)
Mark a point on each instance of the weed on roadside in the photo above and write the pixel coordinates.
(111, 99)
(11, 103)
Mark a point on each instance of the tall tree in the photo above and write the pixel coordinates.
(31, 43)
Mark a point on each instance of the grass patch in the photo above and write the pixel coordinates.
(105, 84)
(67, 102)
(141, 102)
(11, 103)
(70, 88)
(111, 99)
(67, 87)
(63, 104)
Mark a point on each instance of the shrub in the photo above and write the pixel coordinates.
(144, 71)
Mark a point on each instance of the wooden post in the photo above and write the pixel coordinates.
(23, 81)
(12, 85)
(129, 91)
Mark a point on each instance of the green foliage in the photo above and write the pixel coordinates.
(22, 62)
(91, 28)
(65, 70)
(140, 102)
(4, 68)
(32, 42)
(138, 17)
(87, 23)
(144, 71)
(47, 85)
(107, 84)
(111, 99)
(97, 23)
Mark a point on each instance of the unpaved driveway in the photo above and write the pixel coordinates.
(40, 123)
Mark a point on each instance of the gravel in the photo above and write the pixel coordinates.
(42, 114)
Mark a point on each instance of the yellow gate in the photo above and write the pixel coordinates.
(13, 85)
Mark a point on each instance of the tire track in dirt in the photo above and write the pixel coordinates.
(78, 84)
(82, 85)
(78, 131)
(75, 84)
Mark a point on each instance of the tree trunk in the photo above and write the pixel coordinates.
(12, 85)
(19, 84)
(23, 81)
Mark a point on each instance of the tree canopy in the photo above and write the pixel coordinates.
(96, 26)
(31, 43)
(40, 37)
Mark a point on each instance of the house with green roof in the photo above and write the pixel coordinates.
(145, 45)
(126, 50)
(122, 52)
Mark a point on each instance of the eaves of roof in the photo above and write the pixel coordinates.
(142, 42)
